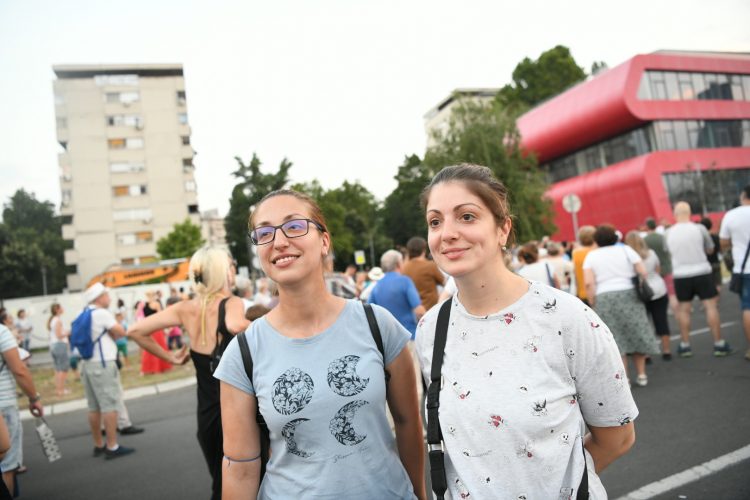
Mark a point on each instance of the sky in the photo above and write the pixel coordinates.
(340, 88)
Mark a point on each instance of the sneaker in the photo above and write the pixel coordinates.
(121, 451)
(684, 352)
(98, 452)
(641, 381)
(723, 350)
(667, 356)
(132, 429)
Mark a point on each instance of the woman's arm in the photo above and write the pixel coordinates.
(235, 315)
(589, 280)
(141, 332)
(641, 269)
(404, 406)
(607, 444)
(240, 474)
(59, 331)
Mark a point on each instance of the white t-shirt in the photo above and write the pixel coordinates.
(654, 279)
(52, 325)
(101, 321)
(736, 227)
(518, 386)
(537, 272)
(613, 267)
(688, 243)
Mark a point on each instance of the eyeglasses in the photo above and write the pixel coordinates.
(292, 229)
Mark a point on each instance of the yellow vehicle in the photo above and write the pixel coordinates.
(164, 270)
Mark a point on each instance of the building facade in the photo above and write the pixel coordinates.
(212, 228)
(437, 120)
(635, 139)
(126, 165)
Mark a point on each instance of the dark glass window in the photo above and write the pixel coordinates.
(193, 209)
(707, 188)
(666, 135)
(712, 86)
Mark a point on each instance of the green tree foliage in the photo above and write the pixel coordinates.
(253, 185)
(534, 81)
(182, 241)
(484, 134)
(402, 214)
(30, 241)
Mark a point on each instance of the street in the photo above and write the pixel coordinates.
(693, 410)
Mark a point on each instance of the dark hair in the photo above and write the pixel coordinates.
(53, 310)
(482, 183)
(416, 246)
(746, 190)
(651, 223)
(316, 213)
(256, 311)
(706, 222)
(605, 235)
(529, 253)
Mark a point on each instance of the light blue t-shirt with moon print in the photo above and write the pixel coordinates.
(323, 399)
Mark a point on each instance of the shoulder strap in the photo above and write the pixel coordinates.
(434, 435)
(247, 360)
(265, 438)
(744, 261)
(375, 332)
(221, 327)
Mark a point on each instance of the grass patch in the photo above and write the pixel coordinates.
(44, 380)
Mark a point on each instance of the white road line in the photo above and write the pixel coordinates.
(688, 476)
(703, 330)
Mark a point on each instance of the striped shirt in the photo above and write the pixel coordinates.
(7, 381)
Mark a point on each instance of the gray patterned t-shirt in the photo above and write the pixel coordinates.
(323, 399)
(516, 384)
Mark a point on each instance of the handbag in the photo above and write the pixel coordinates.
(735, 284)
(642, 288)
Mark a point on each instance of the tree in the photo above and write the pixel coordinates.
(485, 134)
(184, 239)
(251, 188)
(31, 246)
(402, 214)
(535, 81)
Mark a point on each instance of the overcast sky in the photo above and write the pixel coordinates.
(338, 87)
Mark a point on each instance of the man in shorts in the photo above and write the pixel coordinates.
(735, 233)
(689, 243)
(100, 376)
(12, 371)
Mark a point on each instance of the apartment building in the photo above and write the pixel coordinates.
(126, 163)
(437, 120)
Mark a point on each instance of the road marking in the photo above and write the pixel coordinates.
(688, 476)
(704, 330)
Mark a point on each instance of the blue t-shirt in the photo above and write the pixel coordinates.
(398, 294)
(323, 398)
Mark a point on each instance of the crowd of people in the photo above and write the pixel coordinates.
(523, 349)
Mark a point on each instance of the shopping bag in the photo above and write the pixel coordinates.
(47, 438)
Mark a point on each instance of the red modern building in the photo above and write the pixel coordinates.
(635, 139)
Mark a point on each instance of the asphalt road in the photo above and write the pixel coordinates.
(692, 411)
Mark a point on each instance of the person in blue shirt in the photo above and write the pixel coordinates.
(397, 293)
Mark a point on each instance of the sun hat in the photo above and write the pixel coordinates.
(93, 292)
(376, 274)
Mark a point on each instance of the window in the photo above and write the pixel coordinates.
(193, 209)
(658, 89)
(706, 189)
(66, 219)
(125, 121)
(746, 86)
(119, 80)
(62, 122)
(129, 190)
(673, 90)
(181, 98)
(735, 83)
(182, 118)
(128, 261)
(126, 143)
(187, 162)
(144, 236)
(135, 238)
(126, 239)
(125, 167)
(186, 140)
(116, 143)
(65, 174)
(699, 86)
(121, 97)
(67, 197)
(189, 185)
(685, 81)
(682, 85)
(132, 214)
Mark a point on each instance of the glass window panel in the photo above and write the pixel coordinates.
(735, 82)
(712, 86)
(644, 88)
(692, 130)
(665, 135)
(682, 140)
(673, 90)
(746, 86)
(134, 143)
(128, 97)
(725, 91)
(112, 97)
(745, 133)
(116, 143)
(126, 239)
(705, 135)
(144, 236)
(182, 118)
(699, 86)
(189, 186)
(120, 190)
(686, 91)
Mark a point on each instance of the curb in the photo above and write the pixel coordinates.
(134, 393)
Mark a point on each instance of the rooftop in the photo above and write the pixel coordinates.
(67, 71)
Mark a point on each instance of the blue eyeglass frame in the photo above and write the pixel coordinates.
(254, 240)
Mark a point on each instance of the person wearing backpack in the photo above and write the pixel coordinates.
(93, 333)
(522, 376)
(318, 377)
(211, 319)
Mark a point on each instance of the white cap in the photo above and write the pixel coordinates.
(376, 274)
(93, 292)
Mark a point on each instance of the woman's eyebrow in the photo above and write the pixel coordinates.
(285, 219)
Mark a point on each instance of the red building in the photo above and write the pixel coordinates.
(635, 139)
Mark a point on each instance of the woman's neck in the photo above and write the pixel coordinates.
(490, 289)
(305, 309)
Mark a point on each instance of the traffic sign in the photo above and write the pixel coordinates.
(359, 257)
(571, 203)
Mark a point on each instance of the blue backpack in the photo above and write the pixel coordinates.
(80, 336)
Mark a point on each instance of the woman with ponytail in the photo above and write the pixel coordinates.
(210, 319)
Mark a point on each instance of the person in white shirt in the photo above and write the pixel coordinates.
(24, 329)
(100, 375)
(735, 234)
(688, 243)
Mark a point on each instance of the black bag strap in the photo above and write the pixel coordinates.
(375, 332)
(434, 435)
(744, 261)
(265, 440)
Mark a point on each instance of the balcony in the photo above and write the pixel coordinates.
(68, 232)
(71, 257)
(75, 283)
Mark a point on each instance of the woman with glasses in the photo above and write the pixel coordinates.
(211, 319)
(530, 376)
(318, 378)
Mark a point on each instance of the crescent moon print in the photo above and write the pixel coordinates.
(342, 426)
(291, 445)
(292, 391)
(343, 378)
